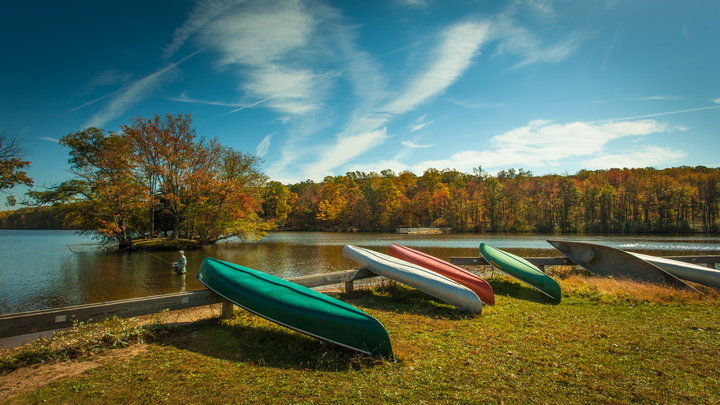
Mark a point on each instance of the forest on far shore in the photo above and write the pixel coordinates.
(675, 200)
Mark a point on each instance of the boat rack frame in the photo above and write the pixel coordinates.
(57, 318)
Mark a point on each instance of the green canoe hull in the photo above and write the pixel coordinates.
(522, 270)
(296, 307)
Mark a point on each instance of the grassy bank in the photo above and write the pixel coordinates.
(602, 344)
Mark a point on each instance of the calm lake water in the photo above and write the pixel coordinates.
(46, 269)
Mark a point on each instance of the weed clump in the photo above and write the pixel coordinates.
(82, 340)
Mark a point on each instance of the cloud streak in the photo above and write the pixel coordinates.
(132, 94)
(262, 149)
(459, 45)
(414, 145)
(263, 41)
(661, 114)
(204, 12)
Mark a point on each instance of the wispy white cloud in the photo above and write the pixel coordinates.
(49, 139)
(245, 106)
(366, 130)
(265, 41)
(131, 94)
(518, 40)
(183, 98)
(421, 123)
(275, 46)
(262, 149)
(459, 45)
(660, 114)
(108, 78)
(656, 98)
(96, 100)
(414, 145)
(345, 149)
(475, 104)
(412, 3)
(546, 144)
(646, 156)
(716, 101)
(204, 12)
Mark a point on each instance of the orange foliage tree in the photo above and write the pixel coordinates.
(156, 176)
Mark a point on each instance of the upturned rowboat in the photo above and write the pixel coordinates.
(415, 276)
(296, 307)
(608, 261)
(479, 286)
(686, 271)
(522, 270)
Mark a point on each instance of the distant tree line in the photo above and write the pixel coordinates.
(157, 178)
(34, 218)
(676, 200)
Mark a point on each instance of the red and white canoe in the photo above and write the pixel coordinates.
(479, 286)
(415, 276)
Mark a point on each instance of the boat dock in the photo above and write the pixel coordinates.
(423, 231)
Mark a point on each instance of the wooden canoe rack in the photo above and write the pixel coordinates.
(58, 318)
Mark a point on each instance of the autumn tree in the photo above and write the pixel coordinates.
(104, 196)
(12, 163)
(157, 175)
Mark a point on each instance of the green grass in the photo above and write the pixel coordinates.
(597, 346)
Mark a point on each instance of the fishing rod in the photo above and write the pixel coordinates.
(157, 257)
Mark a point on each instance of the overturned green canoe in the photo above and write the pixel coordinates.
(522, 270)
(296, 307)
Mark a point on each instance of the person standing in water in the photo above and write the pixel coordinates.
(179, 265)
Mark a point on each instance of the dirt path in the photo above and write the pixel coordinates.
(37, 376)
(30, 378)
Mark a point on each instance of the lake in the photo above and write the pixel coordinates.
(49, 269)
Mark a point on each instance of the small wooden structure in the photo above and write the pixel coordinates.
(57, 318)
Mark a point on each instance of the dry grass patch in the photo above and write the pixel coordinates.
(614, 290)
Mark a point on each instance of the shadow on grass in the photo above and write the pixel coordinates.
(249, 339)
(395, 297)
(516, 289)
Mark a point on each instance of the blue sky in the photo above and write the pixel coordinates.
(321, 88)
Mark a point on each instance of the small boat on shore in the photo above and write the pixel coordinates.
(522, 270)
(608, 261)
(415, 276)
(296, 307)
(479, 286)
(686, 271)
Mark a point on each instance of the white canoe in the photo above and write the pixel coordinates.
(686, 271)
(425, 280)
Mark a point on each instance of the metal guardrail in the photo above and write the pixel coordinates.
(709, 260)
(57, 318)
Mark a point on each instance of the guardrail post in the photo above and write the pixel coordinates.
(349, 285)
(227, 309)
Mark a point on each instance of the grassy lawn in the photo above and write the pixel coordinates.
(607, 342)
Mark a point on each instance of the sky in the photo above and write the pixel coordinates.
(318, 88)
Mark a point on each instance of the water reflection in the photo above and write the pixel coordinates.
(44, 269)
